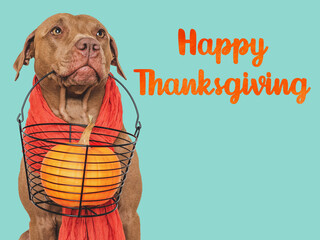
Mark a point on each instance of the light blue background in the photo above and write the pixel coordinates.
(211, 170)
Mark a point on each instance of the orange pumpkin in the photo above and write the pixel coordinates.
(62, 173)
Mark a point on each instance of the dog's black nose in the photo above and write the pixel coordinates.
(88, 47)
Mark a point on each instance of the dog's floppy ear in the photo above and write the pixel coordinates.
(26, 54)
(115, 61)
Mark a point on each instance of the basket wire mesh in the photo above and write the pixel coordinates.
(93, 185)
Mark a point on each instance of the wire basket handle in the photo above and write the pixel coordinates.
(138, 123)
(20, 117)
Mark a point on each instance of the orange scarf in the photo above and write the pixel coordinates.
(107, 227)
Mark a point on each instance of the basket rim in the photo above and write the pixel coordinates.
(76, 144)
(90, 209)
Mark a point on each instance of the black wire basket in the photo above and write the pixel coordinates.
(85, 181)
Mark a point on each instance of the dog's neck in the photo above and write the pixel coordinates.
(71, 107)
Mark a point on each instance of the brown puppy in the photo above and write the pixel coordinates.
(80, 51)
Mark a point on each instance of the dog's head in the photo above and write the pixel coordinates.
(78, 49)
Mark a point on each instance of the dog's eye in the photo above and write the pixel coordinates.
(56, 31)
(101, 33)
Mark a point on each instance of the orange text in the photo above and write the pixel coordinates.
(222, 47)
(231, 86)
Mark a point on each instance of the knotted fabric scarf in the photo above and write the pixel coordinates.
(107, 227)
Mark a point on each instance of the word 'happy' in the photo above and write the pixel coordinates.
(223, 46)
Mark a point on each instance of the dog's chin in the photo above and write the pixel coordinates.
(80, 80)
(84, 76)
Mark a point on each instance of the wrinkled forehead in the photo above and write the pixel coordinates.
(69, 22)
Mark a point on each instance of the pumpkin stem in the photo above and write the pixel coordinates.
(84, 140)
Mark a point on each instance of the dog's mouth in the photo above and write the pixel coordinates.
(84, 75)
